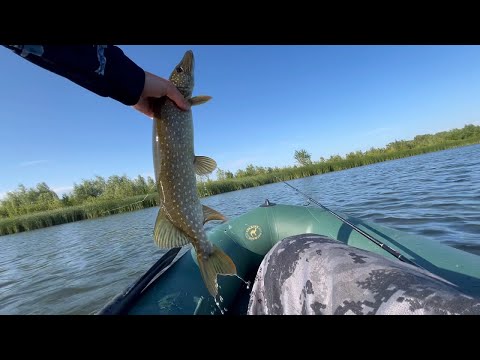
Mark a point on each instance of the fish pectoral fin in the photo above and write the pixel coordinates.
(217, 263)
(210, 214)
(166, 235)
(198, 100)
(204, 165)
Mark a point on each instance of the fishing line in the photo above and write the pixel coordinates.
(123, 206)
(360, 231)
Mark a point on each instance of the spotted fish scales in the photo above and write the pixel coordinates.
(181, 216)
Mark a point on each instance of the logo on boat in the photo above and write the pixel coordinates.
(253, 232)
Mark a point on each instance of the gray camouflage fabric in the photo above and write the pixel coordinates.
(312, 274)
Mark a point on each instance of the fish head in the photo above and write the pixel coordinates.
(182, 76)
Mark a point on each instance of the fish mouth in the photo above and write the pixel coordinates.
(188, 62)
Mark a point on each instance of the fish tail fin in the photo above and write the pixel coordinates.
(217, 263)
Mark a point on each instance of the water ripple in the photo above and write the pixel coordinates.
(76, 268)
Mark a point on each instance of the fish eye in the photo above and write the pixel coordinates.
(179, 69)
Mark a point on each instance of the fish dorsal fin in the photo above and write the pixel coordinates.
(210, 214)
(204, 165)
(198, 100)
(166, 235)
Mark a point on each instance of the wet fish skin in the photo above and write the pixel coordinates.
(181, 216)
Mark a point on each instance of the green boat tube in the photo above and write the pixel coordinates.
(174, 285)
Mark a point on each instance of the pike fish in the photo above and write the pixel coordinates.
(181, 216)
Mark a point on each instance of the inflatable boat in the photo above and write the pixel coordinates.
(174, 285)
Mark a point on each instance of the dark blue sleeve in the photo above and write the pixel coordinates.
(102, 69)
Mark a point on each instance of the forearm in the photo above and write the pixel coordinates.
(102, 69)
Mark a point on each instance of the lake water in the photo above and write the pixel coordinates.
(76, 268)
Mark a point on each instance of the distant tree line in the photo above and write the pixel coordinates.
(99, 190)
(41, 198)
(304, 158)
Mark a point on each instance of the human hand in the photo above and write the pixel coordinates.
(156, 87)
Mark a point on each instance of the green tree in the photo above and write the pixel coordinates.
(303, 157)
(88, 189)
(335, 158)
(119, 187)
(24, 201)
(66, 200)
(250, 170)
(220, 174)
(152, 187)
(3, 212)
(140, 186)
(240, 173)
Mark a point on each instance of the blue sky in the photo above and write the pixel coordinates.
(267, 102)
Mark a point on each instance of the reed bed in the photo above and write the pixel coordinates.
(99, 208)
(75, 213)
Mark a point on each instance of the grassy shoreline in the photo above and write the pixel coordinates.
(75, 213)
(105, 208)
(221, 186)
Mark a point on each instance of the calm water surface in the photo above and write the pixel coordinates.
(76, 268)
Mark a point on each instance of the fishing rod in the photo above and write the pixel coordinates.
(360, 231)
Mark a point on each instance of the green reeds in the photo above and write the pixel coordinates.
(221, 186)
(75, 213)
(100, 208)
